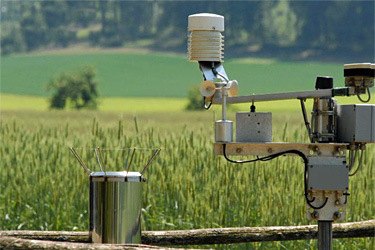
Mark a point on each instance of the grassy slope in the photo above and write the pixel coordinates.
(118, 74)
(156, 75)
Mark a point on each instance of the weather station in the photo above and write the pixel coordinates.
(338, 134)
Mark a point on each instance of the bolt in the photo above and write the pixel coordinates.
(238, 150)
(314, 215)
(337, 215)
(337, 202)
(340, 151)
(269, 150)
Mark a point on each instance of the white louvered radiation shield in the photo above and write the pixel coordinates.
(206, 46)
(205, 40)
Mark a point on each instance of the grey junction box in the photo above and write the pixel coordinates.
(253, 127)
(356, 123)
(327, 173)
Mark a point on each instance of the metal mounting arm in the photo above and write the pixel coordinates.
(320, 93)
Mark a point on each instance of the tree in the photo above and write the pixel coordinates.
(78, 89)
(195, 99)
(57, 23)
(11, 39)
(280, 24)
(32, 26)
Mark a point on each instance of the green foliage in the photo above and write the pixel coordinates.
(79, 89)
(297, 26)
(187, 186)
(33, 27)
(11, 39)
(283, 28)
(195, 99)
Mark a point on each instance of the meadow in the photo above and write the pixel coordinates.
(142, 104)
(157, 75)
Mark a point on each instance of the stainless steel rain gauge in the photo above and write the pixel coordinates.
(115, 200)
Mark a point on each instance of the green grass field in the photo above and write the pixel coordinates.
(157, 75)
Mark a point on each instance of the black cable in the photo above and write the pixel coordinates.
(213, 68)
(346, 197)
(359, 164)
(369, 96)
(320, 207)
(273, 156)
(204, 104)
(268, 157)
(307, 124)
(226, 79)
(217, 73)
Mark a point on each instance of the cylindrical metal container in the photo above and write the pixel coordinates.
(115, 207)
(224, 131)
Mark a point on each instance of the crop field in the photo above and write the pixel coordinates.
(142, 104)
(43, 187)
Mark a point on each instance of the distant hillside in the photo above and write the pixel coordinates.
(157, 75)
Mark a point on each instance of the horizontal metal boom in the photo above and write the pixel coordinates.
(285, 96)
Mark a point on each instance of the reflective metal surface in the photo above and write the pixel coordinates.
(224, 131)
(115, 207)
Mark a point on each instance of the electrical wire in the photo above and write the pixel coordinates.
(352, 158)
(226, 79)
(359, 164)
(273, 156)
(217, 73)
(346, 197)
(204, 104)
(268, 157)
(307, 124)
(369, 95)
(319, 207)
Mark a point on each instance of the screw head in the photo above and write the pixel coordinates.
(314, 215)
(337, 215)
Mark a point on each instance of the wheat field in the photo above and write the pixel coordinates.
(42, 187)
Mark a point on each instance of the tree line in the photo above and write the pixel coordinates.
(249, 25)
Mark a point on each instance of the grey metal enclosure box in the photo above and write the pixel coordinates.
(356, 123)
(327, 173)
(253, 127)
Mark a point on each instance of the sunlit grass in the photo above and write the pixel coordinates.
(154, 104)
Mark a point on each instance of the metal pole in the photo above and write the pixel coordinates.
(324, 235)
(224, 103)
